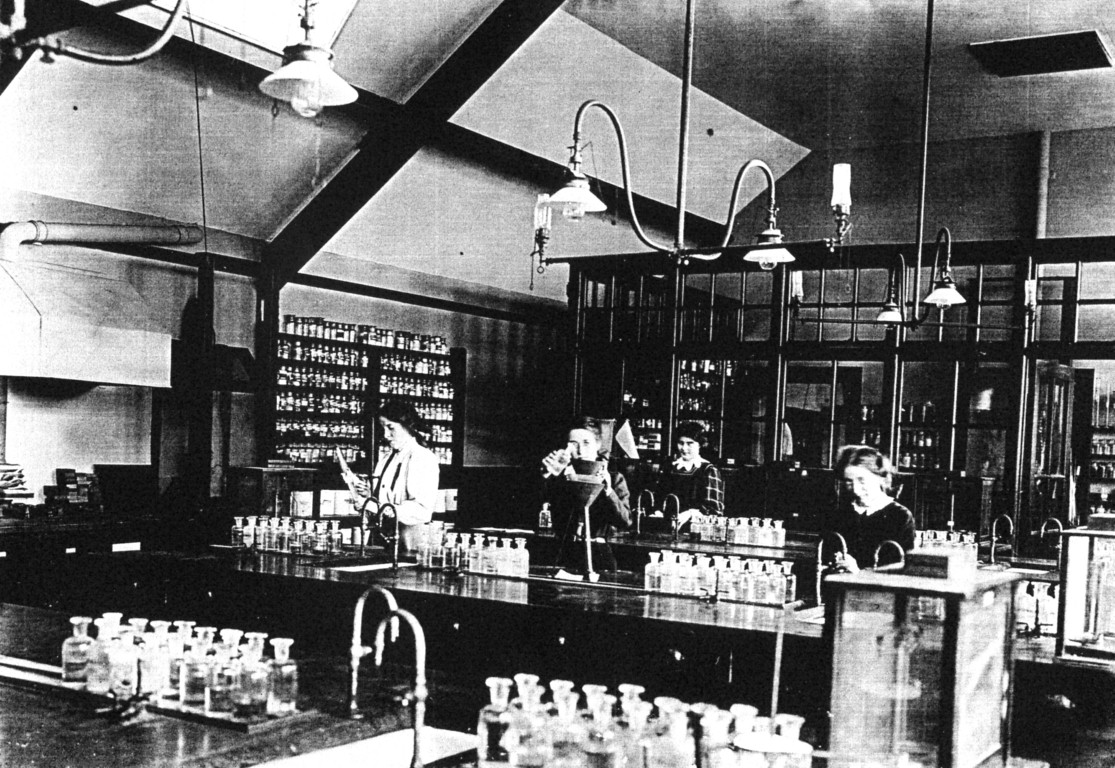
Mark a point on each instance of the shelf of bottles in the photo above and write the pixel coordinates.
(863, 425)
(332, 376)
(701, 387)
(920, 437)
(1102, 462)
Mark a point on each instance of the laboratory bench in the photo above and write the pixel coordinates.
(476, 626)
(50, 728)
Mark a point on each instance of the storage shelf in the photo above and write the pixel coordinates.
(419, 398)
(315, 416)
(357, 370)
(313, 388)
(363, 347)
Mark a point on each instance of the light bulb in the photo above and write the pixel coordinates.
(767, 264)
(573, 211)
(306, 99)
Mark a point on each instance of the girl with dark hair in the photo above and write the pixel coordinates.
(584, 455)
(407, 478)
(866, 515)
(692, 478)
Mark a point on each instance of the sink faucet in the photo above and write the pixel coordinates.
(995, 533)
(821, 557)
(896, 545)
(641, 510)
(677, 513)
(358, 649)
(420, 690)
(379, 528)
(1052, 522)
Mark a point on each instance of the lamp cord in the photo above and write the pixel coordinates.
(197, 120)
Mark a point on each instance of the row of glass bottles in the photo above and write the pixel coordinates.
(145, 658)
(693, 383)
(303, 452)
(965, 541)
(317, 352)
(411, 387)
(764, 582)
(755, 531)
(305, 402)
(311, 429)
(282, 534)
(525, 731)
(474, 553)
(320, 328)
(423, 365)
(435, 411)
(293, 376)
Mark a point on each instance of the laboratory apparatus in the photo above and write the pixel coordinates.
(1086, 614)
(921, 664)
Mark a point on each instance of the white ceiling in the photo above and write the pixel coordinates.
(776, 79)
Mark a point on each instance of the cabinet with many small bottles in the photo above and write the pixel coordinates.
(331, 377)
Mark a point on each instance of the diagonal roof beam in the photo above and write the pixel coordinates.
(387, 147)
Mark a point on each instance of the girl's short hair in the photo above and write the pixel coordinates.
(692, 430)
(868, 458)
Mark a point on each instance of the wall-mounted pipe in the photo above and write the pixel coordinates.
(18, 233)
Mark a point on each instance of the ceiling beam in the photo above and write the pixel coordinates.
(389, 145)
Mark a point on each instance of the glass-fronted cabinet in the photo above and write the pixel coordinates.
(1049, 461)
(1086, 616)
(938, 650)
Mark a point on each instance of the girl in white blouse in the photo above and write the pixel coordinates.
(407, 478)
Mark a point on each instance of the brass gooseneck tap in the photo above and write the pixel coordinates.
(898, 548)
(358, 649)
(676, 518)
(420, 690)
(821, 557)
(995, 533)
(1052, 522)
(641, 510)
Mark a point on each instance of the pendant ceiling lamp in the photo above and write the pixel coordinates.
(944, 293)
(574, 199)
(307, 80)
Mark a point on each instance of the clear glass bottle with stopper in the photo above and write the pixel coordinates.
(282, 697)
(494, 720)
(250, 697)
(75, 650)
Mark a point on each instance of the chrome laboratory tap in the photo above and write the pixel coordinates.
(420, 691)
(896, 545)
(642, 511)
(995, 533)
(821, 557)
(1048, 523)
(358, 649)
(676, 518)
